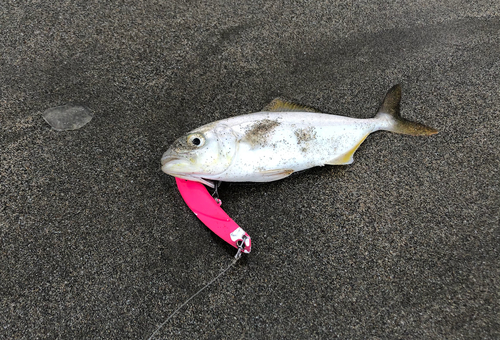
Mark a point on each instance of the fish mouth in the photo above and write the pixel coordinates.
(174, 165)
(167, 159)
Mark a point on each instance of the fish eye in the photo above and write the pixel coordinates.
(196, 140)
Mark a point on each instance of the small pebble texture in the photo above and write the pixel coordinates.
(97, 243)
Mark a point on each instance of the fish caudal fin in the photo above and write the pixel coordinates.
(389, 111)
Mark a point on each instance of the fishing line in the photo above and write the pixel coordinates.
(192, 296)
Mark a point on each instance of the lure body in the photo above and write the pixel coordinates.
(211, 214)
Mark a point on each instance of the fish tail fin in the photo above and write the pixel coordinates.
(389, 112)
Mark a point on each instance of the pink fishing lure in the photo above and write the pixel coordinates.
(206, 208)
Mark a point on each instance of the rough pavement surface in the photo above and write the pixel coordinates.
(96, 242)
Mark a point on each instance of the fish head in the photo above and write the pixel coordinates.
(201, 154)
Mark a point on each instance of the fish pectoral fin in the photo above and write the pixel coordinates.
(275, 174)
(280, 105)
(346, 158)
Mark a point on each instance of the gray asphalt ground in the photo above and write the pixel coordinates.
(96, 242)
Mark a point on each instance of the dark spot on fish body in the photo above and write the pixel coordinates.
(305, 134)
(258, 132)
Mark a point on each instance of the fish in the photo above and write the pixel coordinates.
(281, 139)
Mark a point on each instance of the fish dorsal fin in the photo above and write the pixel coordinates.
(280, 105)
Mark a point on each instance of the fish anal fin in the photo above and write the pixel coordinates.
(347, 158)
(280, 105)
(275, 174)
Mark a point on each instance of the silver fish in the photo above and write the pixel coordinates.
(283, 138)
